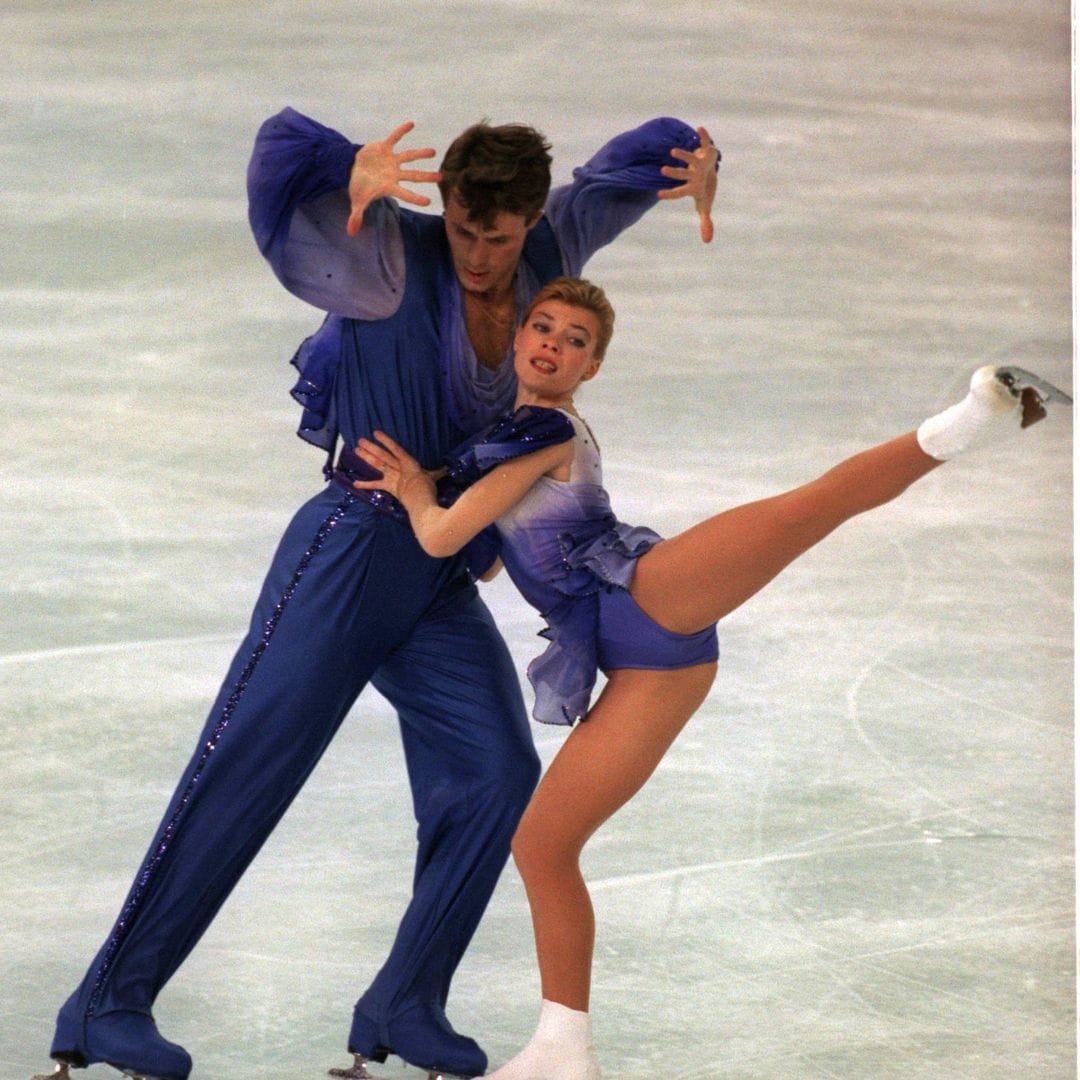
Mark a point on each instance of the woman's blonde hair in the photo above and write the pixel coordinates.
(582, 294)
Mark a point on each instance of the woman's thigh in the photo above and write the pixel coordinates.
(610, 755)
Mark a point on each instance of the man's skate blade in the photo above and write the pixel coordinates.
(1020, 377)
(61, 1072)
(358, 1071)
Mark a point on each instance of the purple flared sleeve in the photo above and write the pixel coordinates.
(298, 207)
(615, 187)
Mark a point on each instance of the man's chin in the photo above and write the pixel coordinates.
(474, 284)
(487, 285)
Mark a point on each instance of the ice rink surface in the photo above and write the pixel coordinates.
(858, 860)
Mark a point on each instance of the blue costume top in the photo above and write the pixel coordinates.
(562, 547)
(394, 353)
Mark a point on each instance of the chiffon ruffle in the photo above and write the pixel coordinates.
(563, 676)
(317, 362)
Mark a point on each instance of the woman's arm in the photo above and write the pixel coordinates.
(444, 531)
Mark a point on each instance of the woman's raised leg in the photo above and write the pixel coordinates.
(692, 580)
(689, 582)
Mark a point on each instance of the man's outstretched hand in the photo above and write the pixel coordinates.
(699, 180)
(378, 173)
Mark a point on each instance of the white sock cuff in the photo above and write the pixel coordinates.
(561, 1022)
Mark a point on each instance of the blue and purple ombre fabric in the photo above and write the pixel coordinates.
(562, 546)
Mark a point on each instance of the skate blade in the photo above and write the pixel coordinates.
(63, 1072)
(358, 1070)
(1016, 378)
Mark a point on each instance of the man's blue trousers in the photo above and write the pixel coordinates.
(349, 599)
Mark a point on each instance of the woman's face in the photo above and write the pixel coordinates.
(555, 350)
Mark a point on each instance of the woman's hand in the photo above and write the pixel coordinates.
(699, 180)
(378, 173)
(402, 475)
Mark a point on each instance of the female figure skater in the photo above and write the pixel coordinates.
(621, 599)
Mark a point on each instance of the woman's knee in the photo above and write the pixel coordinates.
(534, 860)
(543, 850)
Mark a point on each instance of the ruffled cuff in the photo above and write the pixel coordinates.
(295, 160)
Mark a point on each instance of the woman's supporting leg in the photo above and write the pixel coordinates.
(601, 766)
(692, 580)
(603, 763)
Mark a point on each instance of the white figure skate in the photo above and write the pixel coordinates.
(999, 403)
(561, 1046)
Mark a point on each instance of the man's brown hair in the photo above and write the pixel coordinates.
(493, 169)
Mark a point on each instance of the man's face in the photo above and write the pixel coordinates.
(484, 259)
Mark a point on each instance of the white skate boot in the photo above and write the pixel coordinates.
(1000, 402)
(561, 1049)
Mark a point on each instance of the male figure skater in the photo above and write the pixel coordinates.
(421, 314)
